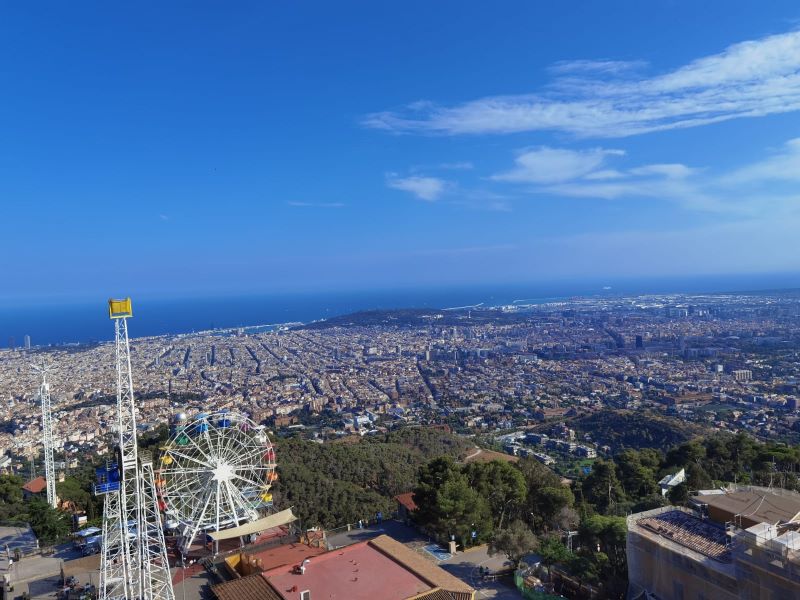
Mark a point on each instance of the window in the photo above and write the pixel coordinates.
(306, 595)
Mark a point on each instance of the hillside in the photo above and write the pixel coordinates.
(622, 429)
(336, 483)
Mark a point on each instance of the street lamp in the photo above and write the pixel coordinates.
(183, 572)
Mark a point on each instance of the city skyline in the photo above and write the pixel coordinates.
(197, 149)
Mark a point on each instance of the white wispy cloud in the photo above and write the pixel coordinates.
(783, 165)
(426, 188)
(604, 175)
(611, 99)
(551, 165)
(569, 67)
(317, 204)
(746, 190)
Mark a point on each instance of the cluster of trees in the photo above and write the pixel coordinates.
(337, 483)
(467, 501)
(524, 508)
(76, 493)
(519, 509)
(629, 482)
(49, 525)
(621, 429)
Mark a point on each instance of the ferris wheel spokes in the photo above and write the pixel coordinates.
(216, 472)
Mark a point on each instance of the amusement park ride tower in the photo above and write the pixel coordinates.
(134, 558)
(47, 435)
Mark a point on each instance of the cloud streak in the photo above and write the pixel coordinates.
(608, 99)
(552, 165)
(783, 165)
(425, 188)
(587, 174)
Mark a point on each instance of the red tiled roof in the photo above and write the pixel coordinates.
(407, 500)
(253, 587)
(437, 594)
(36, 486)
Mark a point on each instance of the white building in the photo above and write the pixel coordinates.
(670, 481)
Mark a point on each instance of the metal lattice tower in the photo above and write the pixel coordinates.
(47, 434)
(134, 560)
(154, 550)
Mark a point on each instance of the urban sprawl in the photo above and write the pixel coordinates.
(727, 362)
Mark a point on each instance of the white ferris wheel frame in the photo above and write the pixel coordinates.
(216, 472)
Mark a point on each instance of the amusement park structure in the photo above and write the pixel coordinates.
(134, 557)
(215, 478)
(212, 483)
(47, 434)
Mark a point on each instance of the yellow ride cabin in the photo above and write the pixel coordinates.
(120, 309)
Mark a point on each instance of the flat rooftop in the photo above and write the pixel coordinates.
(287, 554)
(357, 572)
(13, 537)
(758, 506)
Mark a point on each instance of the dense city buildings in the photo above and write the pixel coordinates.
(586, 387)
(716, 362)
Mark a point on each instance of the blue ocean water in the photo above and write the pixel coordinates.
(87, 322)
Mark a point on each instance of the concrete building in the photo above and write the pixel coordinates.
(740, 543)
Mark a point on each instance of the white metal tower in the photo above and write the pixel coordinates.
(134, 560)
(154, 550)
(47, 434)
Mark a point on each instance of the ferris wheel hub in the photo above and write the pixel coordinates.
(224, 472)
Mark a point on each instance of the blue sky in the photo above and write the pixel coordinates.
(199, 147)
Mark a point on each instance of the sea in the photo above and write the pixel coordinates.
(64, 323)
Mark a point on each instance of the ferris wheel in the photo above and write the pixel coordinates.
(216, 473)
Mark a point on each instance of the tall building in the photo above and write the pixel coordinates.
(734, 544)
(27, 342)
